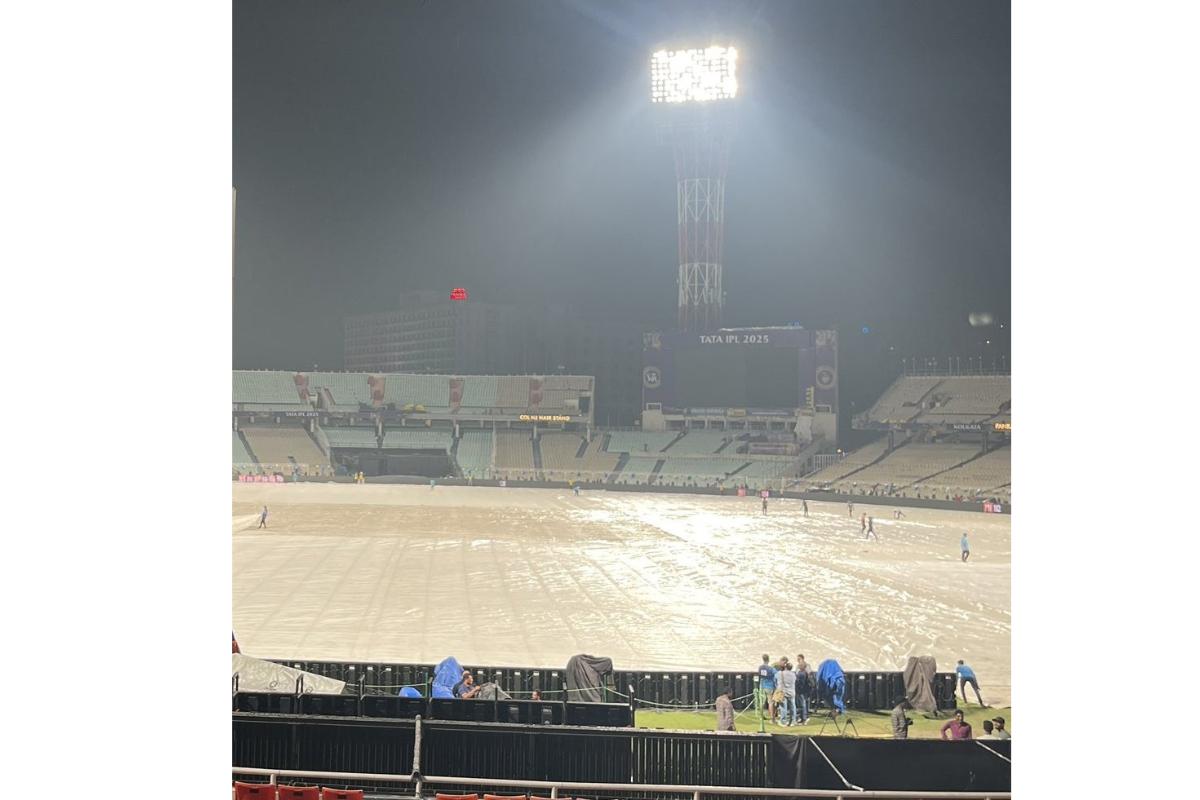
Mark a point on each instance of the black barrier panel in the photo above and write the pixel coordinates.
(876, 691)
(394, 707)
(530, 712)
(266, 703)
(600, 715)
(885, 764)
(267, 744)
(379, 748)
(330, 705)
(462, 710)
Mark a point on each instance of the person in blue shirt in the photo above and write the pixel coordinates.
(766, 686)
(967, 675)
(966, 547)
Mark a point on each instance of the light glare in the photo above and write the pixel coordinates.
(697, 75)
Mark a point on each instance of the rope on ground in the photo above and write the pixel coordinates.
(847, 783)
(993, 752)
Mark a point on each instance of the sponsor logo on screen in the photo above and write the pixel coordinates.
(826, 378)
(651, 378)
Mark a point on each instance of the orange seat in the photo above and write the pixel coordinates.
(441, 796)
(253, 791)
(299, 793)
(341, 794)
(504, 797)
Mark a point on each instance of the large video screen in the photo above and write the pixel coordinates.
(738, 377)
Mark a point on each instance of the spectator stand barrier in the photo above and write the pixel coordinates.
(462, 757)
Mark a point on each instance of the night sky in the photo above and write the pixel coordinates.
(509, 147)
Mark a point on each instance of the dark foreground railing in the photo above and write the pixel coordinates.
(865, 691)
(482, 752)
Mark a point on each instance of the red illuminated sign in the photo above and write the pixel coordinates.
(458, 293)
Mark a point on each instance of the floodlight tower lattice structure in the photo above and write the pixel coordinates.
(697, 84)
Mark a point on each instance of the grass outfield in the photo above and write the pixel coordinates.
(869, 724)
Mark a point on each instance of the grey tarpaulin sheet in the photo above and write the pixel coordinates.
(256, 675)
(585, 677)
(918, 679)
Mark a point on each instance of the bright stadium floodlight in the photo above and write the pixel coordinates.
(697, 75)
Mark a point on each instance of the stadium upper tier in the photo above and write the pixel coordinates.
(463, 394)
(942, 400)
(266, 389)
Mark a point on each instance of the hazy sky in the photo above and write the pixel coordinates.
(509, 147)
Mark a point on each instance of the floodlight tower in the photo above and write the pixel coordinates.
(697, 86)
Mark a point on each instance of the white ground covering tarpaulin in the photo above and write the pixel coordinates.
(530, 577)
(256, 675)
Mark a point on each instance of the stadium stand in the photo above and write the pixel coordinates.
(697, 443)
(635, 442)
(854, 461)
(967, 398)
(910, 464)
(595, 459)
(277, 444)
(765, 470)
(560, 391)
(637, 469)
(351, 437)
(512, 392)
(423, 439)
(901, 401)
(431, 391)
(514, 450)
(347, 389)
(271, 390)
(479, 391)
(559, 449)
(240, 454)
(708, 469)
(475, 452)
(983, 475)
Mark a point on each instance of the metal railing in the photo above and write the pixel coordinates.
(696, 792)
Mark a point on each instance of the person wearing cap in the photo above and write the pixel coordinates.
(725, 710)
(1001, 733)
(958, 728)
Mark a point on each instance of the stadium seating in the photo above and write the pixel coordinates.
(351, 437)
(341, 794)
(278, 444)
(514, 450)
(637, 469)
(348, 389)
(479, 391)
(967, 398)
(595, 459)
(983, 475)
(441, 796)
(899, 402)
(419, 438)
(559, 449)
(707, 468)
(636, 442)
(512, 392)
(430, 391)
(240, 454)
(910, 464)
(697, 442)
(855, 460)
(273, 390)
(253, 791)
(299, 793)
(765, 470)
(474, 454)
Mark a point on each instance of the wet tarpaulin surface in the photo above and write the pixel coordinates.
(919, 765)
(256, 675)
(654, 581)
